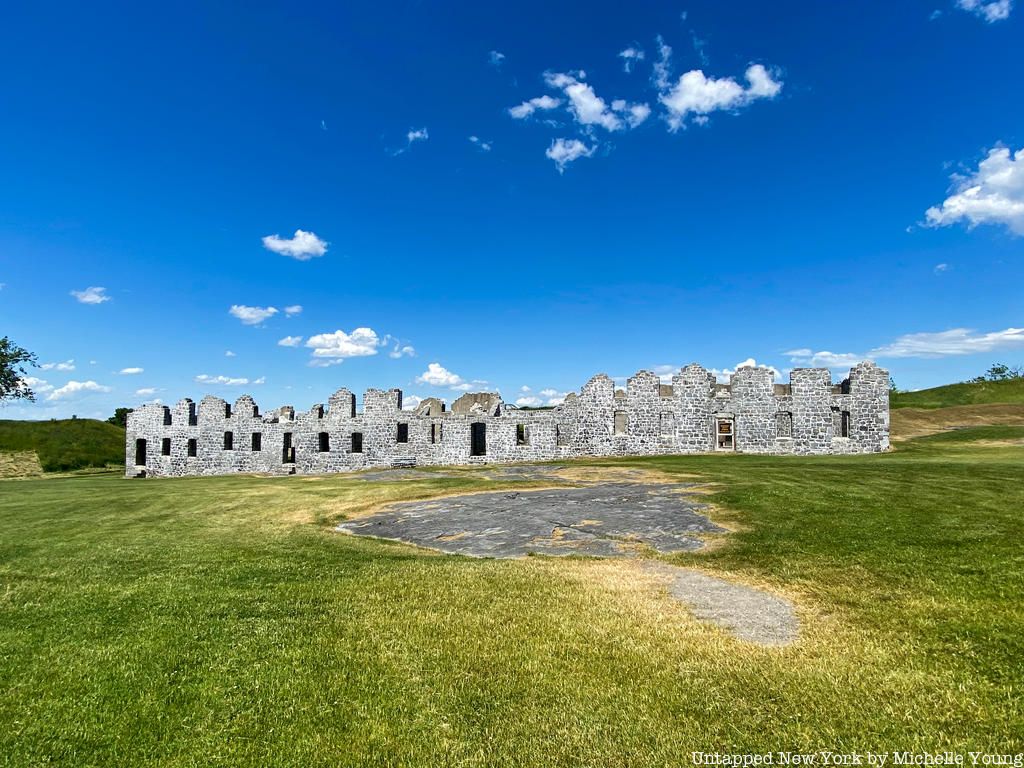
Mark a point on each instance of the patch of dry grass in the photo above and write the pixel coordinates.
(20, 464)
(908, 423)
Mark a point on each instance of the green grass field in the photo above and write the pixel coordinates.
(966, 393)
(65, 444)
(220, 621)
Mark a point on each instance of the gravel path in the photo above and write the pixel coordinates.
(748, 613)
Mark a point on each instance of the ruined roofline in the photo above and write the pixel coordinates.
(391, 399)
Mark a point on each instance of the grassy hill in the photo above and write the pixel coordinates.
(64, 444)
(967, 393)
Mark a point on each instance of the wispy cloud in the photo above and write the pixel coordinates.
(290, 341)
(530, 106)
(130, 371)
(951, 343)
(302, 246)
(227, 381)
(412, 137)
(989, 10)
(91, 295)
(67, 365)
(293, 310)
(402, 350)
(146, 392)
(483, 146)
(495, 58)
(630, 56)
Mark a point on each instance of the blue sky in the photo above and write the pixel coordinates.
(796, 183)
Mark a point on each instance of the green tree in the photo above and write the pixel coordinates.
(13, 360)
(120, 417)
(999, 372)
(892, 385)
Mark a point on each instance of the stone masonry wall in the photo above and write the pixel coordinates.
(809, 415)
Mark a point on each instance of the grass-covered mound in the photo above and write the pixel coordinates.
(966, 393)
(65, 444)
(220, 620)
(915, 422)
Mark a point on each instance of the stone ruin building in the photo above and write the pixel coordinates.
(693, 414)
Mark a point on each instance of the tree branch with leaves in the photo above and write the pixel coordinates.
(13, 376)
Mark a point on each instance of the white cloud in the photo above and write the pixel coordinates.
(940, 268)
(437, 375)
(696, 94)
(67, 365)
(823, 359)
(146, 392)
(524, 388)
(73, 388)
(634, 113)
(994, 194)
(530, 401)
(289, 341)
(414, 135)
(483, 146)
(226, 381)
(302, 245)
(251, 315)
(340, 345)
(565, 151)
(39, 386)
(553, 396)
(494, 58)
(590, 109)
(130, 371)
(956, 341)
(91, 295)
(630, 56)
(294, 309)
(726, 373)
(402, 350)
(229, 353)
(411, 402)
(662, 66)
(527, 108)
(990, 10)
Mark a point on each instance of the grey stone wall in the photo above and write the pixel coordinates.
(809, 415)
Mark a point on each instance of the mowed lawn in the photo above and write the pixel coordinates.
(220, 621)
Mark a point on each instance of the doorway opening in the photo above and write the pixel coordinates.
(725, 435)
(478, 439)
